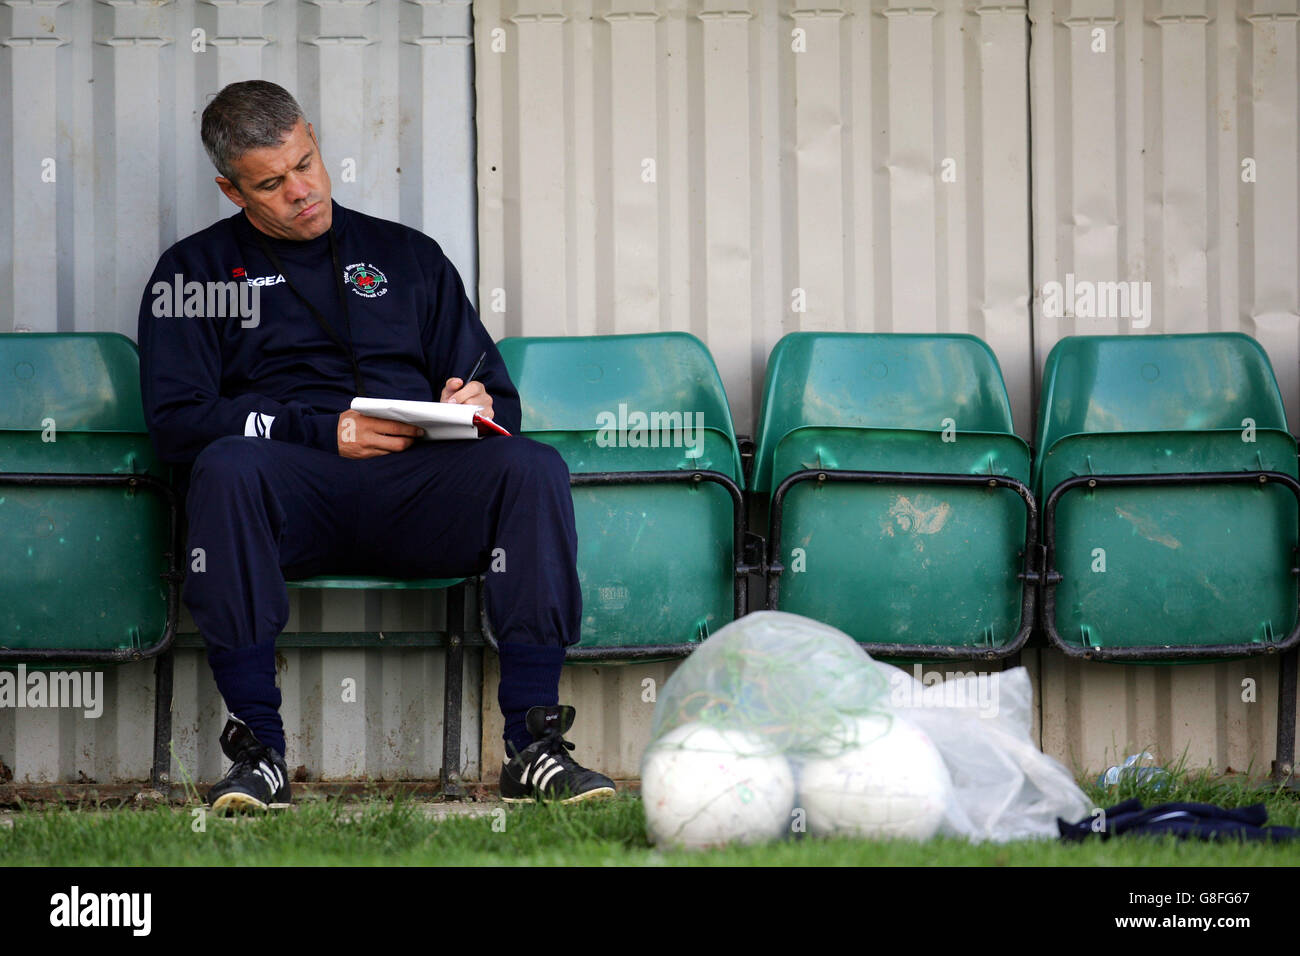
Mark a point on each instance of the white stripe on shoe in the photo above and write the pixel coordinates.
(542, 764)
(541, 784)
(271, 774)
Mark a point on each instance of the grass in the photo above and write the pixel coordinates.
(382, 832)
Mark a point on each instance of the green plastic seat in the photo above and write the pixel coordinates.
(1167, 566)
(656, 561)
(908, 566)
(82, 568)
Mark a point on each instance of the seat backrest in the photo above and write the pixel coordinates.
(70, 402)
(878, 380)
(1152, 383)
(585, 394)
(85, 381)
(1191, 397)
(83, 567)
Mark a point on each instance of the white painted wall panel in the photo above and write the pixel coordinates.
(113, 93)
(1138, 151)
(392, 732)
(778, 175)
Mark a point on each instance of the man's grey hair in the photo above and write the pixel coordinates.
(244, 116)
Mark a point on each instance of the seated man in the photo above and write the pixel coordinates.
(284, 480)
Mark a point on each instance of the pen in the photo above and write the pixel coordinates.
(477, 365)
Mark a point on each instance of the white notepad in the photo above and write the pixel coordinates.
(441, 421)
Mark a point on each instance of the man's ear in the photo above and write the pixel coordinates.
(232, 192)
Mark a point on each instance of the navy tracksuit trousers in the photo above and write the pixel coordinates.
(262, 511)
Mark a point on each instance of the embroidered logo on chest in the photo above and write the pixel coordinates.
(365, 280)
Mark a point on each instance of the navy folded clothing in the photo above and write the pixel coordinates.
(1187, 821)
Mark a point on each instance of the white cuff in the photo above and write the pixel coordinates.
(258, 425)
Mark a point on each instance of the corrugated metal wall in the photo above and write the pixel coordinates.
(823, 169)
(104, 99)
(677, 166)
(393, 730)
(111, 93)
(1141, 151)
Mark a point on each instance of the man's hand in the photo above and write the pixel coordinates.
(364, 436)
(472, 394)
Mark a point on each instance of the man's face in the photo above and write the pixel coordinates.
(284, 190)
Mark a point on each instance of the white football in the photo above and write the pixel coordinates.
(704, 787)
(889, 782)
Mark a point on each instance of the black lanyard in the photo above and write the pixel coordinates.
(343, 300)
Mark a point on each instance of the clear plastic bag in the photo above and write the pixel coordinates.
(1004, 787)
(779, 724)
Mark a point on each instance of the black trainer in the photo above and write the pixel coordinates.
(258, 779)
(544, 770)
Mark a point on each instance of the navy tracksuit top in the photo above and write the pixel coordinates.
(206, 377)
(412, 327)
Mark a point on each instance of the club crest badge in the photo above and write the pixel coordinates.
(365, 280)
